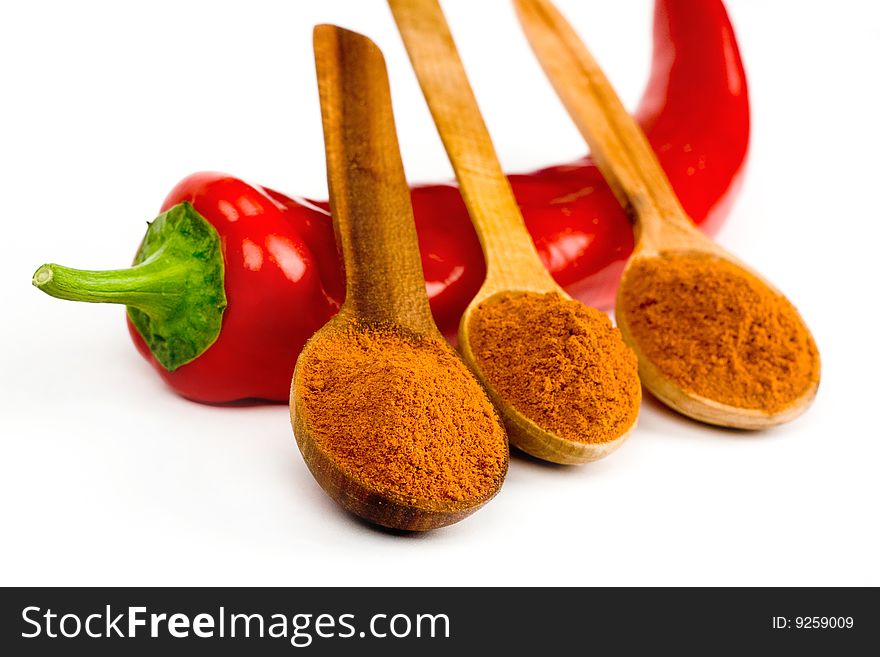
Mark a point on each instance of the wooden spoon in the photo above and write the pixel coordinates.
(628, 162)
(512, 262)
(385, 287)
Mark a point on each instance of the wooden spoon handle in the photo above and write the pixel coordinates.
(506, 243)
(369, 196)
(618, 144)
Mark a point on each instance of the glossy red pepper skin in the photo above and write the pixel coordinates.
(280, 287)
(283, 277)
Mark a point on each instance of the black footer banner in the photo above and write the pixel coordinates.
(332, 621)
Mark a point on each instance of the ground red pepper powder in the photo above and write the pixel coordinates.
(559, 363)
(404, 415)
(718, 331)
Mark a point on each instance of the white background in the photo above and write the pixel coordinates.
(106, 477)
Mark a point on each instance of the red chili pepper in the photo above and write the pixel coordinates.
(232, 279)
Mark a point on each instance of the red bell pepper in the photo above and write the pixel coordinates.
(232, 278)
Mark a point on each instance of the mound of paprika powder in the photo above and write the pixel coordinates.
(719, 332)
(403, 415)
(559, 363)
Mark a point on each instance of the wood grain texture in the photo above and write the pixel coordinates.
(369, 196)
(512, 262)
(628, 162)
(511, 258)
(375, 231)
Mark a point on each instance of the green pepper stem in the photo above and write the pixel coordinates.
(154, 286)
(175, 294)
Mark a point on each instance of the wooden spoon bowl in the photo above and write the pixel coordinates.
(354, 493)
(522, 431)
(687, 402)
